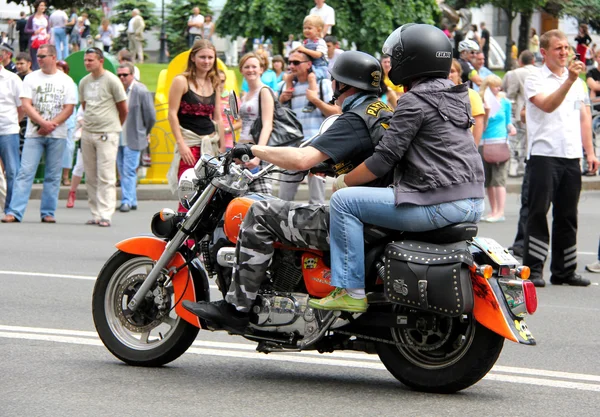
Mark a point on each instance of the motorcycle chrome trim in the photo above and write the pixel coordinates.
(326, 324)
(226, 257)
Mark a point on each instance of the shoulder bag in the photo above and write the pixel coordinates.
(287, 130)
(496, 153)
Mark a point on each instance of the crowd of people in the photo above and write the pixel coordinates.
(112, 126)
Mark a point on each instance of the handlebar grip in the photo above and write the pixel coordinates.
(245, 158)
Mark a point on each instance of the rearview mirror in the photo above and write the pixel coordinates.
(233, 105)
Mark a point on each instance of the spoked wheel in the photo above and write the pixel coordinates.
(441, 354)
(153, 335)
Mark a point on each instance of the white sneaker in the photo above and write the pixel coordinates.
(595, 267)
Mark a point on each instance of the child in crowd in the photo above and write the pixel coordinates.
(315, 47)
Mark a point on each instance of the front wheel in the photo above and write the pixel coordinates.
(152, 336)
(448, 356)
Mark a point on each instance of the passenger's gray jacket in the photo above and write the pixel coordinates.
(140, 118)
(431, 147)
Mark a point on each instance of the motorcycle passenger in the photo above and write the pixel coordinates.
(438, 174)
(347, 143)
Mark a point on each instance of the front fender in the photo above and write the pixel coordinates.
(189, 283)
(490, 310)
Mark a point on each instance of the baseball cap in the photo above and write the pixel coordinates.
(7, 47)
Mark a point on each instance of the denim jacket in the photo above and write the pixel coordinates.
(430, 146)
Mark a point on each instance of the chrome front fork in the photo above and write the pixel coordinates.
(173, 245)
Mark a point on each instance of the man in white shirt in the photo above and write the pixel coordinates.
(48, 98)
(10, 114)
(195, 26)
(327, 14)
(135, 35)
(558, 123)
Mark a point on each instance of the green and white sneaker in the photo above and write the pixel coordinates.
(340, 300)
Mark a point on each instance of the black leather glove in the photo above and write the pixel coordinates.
(242, 149)
(323, 168)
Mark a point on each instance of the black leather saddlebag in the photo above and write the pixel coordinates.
(429, 276)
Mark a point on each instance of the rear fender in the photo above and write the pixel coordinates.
(189, 283)
(490, 309)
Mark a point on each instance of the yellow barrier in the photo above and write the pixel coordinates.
(162, 141)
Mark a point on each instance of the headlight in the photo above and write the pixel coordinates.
(188, 188)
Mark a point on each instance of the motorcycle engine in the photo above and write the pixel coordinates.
(285, 313)
(288, 313)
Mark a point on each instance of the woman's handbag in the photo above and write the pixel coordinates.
(496, 153)
(287, 130)
(39, 41)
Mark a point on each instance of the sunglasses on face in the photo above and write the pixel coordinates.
(296, 63)
(43, 56)
(123, 75)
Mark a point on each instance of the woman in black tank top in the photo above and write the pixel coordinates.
(193, 108)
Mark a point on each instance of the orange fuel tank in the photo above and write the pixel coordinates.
(234, 215)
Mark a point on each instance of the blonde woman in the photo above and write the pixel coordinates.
(498, 128)
(195, 111)
(252, 67)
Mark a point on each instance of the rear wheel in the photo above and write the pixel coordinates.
(448, 356)
(152, 336)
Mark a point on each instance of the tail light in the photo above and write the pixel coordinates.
(530, 296)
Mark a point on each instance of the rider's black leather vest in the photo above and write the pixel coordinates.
(376, 115)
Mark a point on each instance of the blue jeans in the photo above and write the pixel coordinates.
(351, 207)
(61, 42)
(67, 160)
(9, 153)
(128, 161)
(30, 159)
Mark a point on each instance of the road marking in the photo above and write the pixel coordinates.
(62, 276)
(500, 373)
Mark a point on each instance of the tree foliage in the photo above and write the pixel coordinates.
(367, 24)
(123, 14)
(176, 18)
(585, 11)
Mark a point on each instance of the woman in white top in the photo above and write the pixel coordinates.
(251, 68)
(208, 28)
(37, 27)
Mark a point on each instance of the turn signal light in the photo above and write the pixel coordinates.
(485, 271)
(530, 295)
(523, 272)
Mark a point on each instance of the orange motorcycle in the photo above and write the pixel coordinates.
(441, 303)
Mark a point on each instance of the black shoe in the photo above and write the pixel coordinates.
(124, 208)
(221, 313)
(516, 251)
(538, 281)
(574, 280)
(133, 207)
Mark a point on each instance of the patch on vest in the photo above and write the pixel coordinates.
(375, 108)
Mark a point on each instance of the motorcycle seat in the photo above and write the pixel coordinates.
(449, 234)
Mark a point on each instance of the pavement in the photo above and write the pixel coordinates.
(163, 192)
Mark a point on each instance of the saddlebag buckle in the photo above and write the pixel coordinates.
(429, 276)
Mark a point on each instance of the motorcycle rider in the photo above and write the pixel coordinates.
(438, 173)
(356, 78)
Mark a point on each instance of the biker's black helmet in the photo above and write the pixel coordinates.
(357, 69)
(416, 51)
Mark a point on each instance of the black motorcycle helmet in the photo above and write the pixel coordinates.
(357, 69)
(416, 51)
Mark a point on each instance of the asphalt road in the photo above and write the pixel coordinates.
(52, 362)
